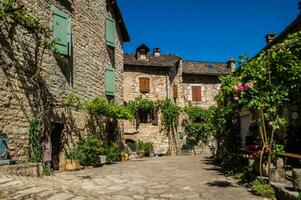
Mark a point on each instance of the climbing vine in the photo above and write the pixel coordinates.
(170, 113)
(142, 104)
(99, 107)
(35, 141)
(15, 14)
(264, 85)
(200, 123)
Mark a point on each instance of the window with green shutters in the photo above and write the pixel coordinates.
(61, 30)
(110, 81)
(110, 32)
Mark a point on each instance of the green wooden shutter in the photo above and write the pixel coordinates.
(61, 24)
(110, 81)
(110, 32)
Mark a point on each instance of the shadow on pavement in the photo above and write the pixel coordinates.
(220, 184)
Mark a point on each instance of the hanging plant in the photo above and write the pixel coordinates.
(142, 104)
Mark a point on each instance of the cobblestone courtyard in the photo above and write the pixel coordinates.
(180, 177)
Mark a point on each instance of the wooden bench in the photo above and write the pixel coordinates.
(291, 155)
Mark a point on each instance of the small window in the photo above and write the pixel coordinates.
(110, 81)
(144, 85)
(61, 31)
(148, 116)
(175, 91)
(196, 93)
(110, 32)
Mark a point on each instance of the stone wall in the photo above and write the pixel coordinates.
(210, 86)
(160, 88)
(145, 131)
(23, 96)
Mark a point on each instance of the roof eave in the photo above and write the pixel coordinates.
(141, 65)
(205, 74)
(120, 21)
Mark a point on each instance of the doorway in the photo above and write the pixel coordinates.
(57, 145)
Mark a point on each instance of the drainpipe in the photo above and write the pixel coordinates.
(167, 82)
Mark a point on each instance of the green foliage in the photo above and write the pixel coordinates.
(35, 141)
(46, 172)
(239, 176)
(299, 196)
(259, 187)
(90, 147)
(87, 150)
(200, 123)
(102, 108)
(141, 104)
(145, 147)
(262, 85)
(73, 100)
(74, 154)
(170, 113)
(12, 11)
(112, 152)
(279, 148)
(199, 115)
(126, 150)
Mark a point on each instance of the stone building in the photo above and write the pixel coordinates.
(34, 83)
(156, 76)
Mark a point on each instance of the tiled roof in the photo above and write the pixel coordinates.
(160, 61)
(205, 68)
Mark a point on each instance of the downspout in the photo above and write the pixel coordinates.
(167, 82)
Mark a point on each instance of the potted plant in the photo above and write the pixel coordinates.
(140, 148)
(72, 162)
(125, 154)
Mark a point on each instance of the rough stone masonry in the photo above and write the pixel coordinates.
(23, 96)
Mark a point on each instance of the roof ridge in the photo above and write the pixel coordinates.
(195, 61)
(133, 54)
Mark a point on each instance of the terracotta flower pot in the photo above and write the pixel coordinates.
(72, 165)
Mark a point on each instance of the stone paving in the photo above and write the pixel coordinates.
(172, 178)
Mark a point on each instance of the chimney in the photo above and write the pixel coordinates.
(156, 52)
(270, 37)
(231, 64)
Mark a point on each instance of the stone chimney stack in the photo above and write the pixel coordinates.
(156, 52)
(270, 37)
(231, 64)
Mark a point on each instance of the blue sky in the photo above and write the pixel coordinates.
(205, 30)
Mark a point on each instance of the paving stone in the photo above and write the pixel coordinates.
(170, 178)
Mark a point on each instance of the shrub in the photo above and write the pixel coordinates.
(112, 152)
(87, 150)
(74, 154)
(144, 147)
(261, 188)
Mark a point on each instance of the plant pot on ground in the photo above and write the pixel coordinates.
(72, 165)
(72, 161)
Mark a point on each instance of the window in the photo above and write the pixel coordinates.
(148, 116)
(144, 85)
(175, 91)
(196, 93)
(110, 81)
(110, 32)
(61, 30)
